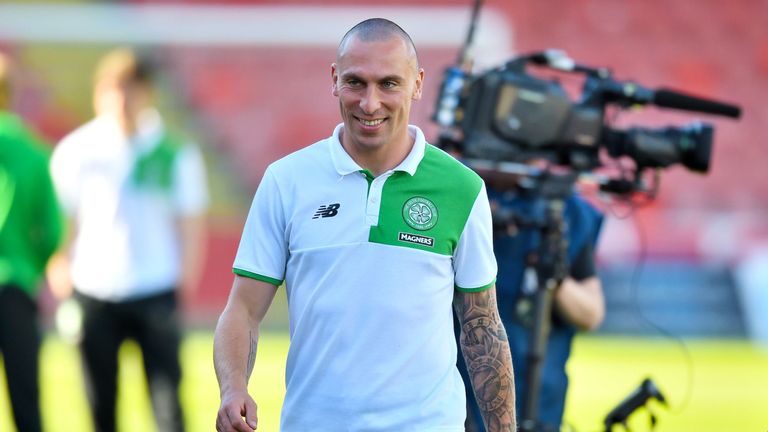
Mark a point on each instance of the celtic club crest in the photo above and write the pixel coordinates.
(420, 213)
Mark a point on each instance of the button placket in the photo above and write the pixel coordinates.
(374, 199)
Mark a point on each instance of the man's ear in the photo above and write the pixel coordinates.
(335, 79)
(419, 85)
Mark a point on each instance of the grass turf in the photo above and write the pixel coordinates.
(729, 390)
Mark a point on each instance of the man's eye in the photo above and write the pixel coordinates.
(354, 83)
(389, 84)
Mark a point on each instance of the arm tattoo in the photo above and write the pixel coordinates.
(485, 347)
(251, 355)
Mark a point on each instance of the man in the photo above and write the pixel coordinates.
(578, 302)
(375, 234)
(30, 230)
(137, 194)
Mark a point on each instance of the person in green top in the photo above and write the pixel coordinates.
(30, 231)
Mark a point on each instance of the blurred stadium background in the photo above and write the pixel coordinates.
(250, 80)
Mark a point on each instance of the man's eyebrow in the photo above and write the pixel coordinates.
(397, 78)
(354, 75)
(348, 75)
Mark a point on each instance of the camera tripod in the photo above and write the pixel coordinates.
(546, 268)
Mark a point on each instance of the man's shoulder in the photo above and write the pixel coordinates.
(302, 161)
(441, 167)
(453, 166)
(83, 135)
(582, 215)
(22, 138)
(583, 205)
(11, 125)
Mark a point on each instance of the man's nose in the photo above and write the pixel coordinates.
(371, 101)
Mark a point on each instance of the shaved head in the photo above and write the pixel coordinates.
(377, 30)
(376, 78)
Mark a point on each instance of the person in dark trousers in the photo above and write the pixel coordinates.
(31, 228)
(136, 193)
(578, 302)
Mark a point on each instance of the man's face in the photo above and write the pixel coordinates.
(376, 82)
(124, 100)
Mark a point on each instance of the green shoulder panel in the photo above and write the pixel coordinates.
(154, 169)
(427, 211)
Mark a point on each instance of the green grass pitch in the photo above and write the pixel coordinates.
(729, 390)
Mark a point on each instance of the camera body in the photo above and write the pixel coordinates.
(508, 115)
(514, 117)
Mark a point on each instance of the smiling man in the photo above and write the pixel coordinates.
(375, 234)
(375, 94)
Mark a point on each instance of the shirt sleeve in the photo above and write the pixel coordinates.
(64, 169)
(190, 182)
(474, 263)
(583, 266)
(584, 225)
(263, 250)
(50, 215)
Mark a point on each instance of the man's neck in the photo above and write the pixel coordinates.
(380, 160)
(128, 126)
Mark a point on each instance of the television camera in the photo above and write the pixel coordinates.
(502, 119)
(506, 116)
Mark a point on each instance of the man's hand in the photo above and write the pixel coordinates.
(234, 352)
(59, 280)
(237, 413)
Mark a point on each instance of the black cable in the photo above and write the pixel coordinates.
(634, 287)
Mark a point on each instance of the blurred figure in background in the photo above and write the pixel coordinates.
(137, 195)
(578, 302)
(30, 230)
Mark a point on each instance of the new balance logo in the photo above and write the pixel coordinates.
(325, 211)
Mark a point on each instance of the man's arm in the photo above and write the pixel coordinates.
(191, 198)
(192, 235)
(484, 343)
(581, 302)
(58, 268)
(52, 221)
(579, 298)
(234, 352)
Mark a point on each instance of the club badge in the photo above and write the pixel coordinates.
(420, 213)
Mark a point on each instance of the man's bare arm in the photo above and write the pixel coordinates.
(192, 234)
(581, 302)
(484, 343)
(234, 352)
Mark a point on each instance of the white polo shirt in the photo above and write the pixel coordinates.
(125, 194)
(370, 266)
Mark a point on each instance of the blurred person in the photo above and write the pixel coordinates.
(578, 302)
(31, 227)
(136, 193)
(376, 234)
